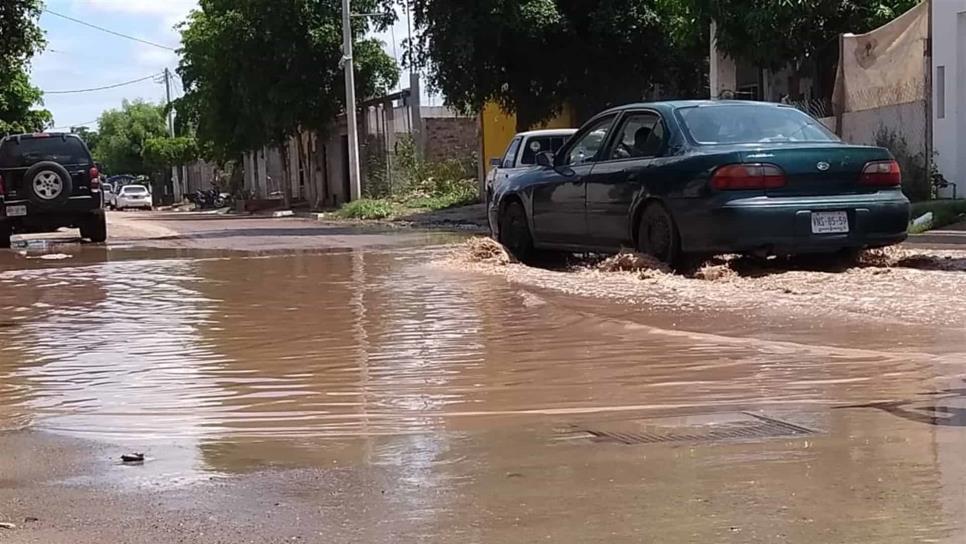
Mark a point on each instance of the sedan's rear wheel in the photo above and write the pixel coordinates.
(658, 236)
(515, 231)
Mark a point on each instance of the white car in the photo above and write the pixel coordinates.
(522, 153)
(133, 196)
(107, 196)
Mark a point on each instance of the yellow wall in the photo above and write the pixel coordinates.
(498, 127)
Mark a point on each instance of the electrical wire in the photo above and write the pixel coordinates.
(114, 86)
(109, 31)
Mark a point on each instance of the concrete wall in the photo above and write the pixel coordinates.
(949, 88)
(907, 120)
(451, 138)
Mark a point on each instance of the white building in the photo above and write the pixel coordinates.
(949, 89)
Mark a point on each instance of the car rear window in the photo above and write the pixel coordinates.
(30, 151)
(134, 190)
(536, 144)
(751, 124)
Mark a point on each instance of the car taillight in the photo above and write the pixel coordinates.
(3, 189)
(881, 174)
(95, 178)
(735, 177)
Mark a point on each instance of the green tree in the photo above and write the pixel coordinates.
(533, 56)
(255, 72)
(123, 134)
(18, 104)
(20, 36)
(20, 39)
(798, 33)
(163, 153)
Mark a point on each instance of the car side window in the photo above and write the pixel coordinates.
(641, 136)
(587, 146)
(511, 153)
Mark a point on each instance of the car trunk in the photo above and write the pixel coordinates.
(818, 169)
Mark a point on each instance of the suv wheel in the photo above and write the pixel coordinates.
(48, 183)
(95, 228)
(5, 232)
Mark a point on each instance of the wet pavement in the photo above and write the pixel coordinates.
(290, 380)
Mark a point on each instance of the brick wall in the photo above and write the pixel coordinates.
(451, 138)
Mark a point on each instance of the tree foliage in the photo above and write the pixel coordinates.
(20, 36)
(123, 134)
(161, 153)
(533, 56)
(18, 104)
(20, 39)
(256, 71)
(773, 34)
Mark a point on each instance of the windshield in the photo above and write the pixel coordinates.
(30, 151)
(750, 124)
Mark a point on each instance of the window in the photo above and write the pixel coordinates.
(585, 149)
(751, 124)
(538, 144)
(511, 153)
(940, 92)
(30, 151)
(641, 135)
(134, 190)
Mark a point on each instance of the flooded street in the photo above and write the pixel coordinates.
(294, 381)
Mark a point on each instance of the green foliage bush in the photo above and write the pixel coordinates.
(367, 208)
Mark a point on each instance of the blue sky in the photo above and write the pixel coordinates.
(78, 57)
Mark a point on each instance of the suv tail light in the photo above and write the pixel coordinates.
(3, 189)
(736, 177)
(95, 178)
(881, 174)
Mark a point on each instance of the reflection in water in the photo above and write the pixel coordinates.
(449, 388)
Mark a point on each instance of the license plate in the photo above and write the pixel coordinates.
(16, 211)
(830, 222)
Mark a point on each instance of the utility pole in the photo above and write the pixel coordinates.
(355, 185)
(175, 182)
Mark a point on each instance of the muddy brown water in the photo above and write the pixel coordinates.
(488, 404)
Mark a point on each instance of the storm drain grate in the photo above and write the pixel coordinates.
(735, 426)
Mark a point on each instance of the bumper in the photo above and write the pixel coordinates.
(30, 217)
(146, 204)
(784, 225)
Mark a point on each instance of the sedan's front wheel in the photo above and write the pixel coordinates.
(515, 231)
(658, 236)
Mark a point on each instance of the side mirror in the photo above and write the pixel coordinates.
(496, 162)
(545, 159)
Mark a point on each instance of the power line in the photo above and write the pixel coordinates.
(72, 125)
(116, 85)
(109, 31)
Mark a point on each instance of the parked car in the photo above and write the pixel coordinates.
(695, 178)
(133, 196)
(108, 195)
(522, 152)
(49, 181)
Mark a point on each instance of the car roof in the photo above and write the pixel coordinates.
(549, 132)
(38, 135)
(679, 104)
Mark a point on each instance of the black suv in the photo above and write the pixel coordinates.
(49, 181)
